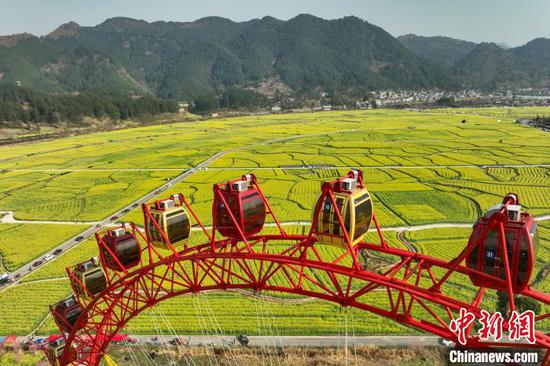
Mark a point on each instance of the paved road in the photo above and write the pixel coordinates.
(320, 341)
(294, 341)
(9, 219)
(28, 268)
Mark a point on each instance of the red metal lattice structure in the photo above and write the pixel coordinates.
(413, 289)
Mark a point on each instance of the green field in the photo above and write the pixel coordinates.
(421, 168)
(21, 243)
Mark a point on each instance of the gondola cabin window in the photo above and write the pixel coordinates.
(91, 275)
(67, 312)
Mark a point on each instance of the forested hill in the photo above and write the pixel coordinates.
(486, 66)
(444, 51)
(21, 105)
(304, 55)
(184, 60)
(491, 67)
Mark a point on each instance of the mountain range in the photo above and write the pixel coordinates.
(486, 65)
(305, 54)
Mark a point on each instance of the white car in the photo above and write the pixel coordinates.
(446, 343)
(4, 278)
(49, 257)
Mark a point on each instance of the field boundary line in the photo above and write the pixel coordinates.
(304, 167)
(313, 167)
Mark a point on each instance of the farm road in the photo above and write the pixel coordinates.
(8, 217)
(313, 167)
(291, 341)
(303, 167)
(11, 220)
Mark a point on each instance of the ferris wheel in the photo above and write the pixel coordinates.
(138, 268)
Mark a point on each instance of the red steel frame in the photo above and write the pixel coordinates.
(413, 290)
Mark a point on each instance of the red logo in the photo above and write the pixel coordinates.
(520, 326)
(491, 326)
(461, 325)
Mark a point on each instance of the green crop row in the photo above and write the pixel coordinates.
(21, 243)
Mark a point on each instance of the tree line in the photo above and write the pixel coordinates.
(232, 98)
(27, 105)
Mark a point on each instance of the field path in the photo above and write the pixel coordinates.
(303, 167)
(8, 217)
(441, 225)
(328, 167)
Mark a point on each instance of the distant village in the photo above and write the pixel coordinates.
(284, 101)
(435, 98)
(525, 97)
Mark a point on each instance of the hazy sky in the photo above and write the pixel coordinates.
(510, 21)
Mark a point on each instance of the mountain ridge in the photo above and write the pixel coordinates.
(307, 54)
(442, 50)
(491, 67)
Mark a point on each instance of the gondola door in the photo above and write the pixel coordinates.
(329, 226)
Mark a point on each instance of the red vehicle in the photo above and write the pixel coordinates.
(245, 204)
(518, 230)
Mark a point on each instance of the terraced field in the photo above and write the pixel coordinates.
(421, 167)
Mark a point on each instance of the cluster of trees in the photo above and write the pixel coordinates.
(232, 98)
(542, 121)
(522, 303)
(27, 105)
(446, 102)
